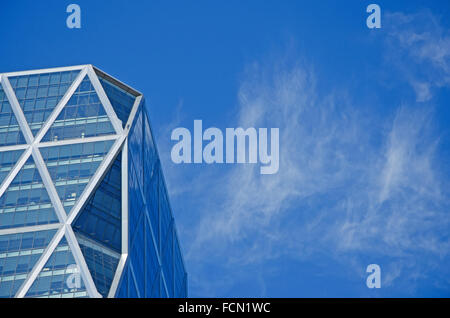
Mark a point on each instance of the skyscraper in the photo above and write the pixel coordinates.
(84, 210)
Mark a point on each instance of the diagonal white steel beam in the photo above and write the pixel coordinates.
(117, 275)
(33, 149)
(59, 209)
(135, 282)
(51, 119)
(23, 158)
(81, 262)
(15, 170)
(15, 106)
(164, 283)
(82, 200)
(40, 263)
(48, 183)
(66, 229)
(124, 194)
(133, 112)
(96, 178)
(115, 121)
(26, 131)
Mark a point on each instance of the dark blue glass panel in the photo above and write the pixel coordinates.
(101, 261)
(147, 192)
(56, 278)
(138, 253)
(155, 287)
(38, 94)
(100, 219)
(83, 116)
(164, 212)
(150, 156)
(98, 228)
(72, 166)
(135, 201)
(122, 288)
(121, 100)
(10, 133)
(151, 177)
(135, 146)
(153, 204)
(167, 262)
(26, 201)
(182, 293)
(135, 204)
(18, 255)
(152, 267)
(132, 289)
(162, 289)
(179, 272)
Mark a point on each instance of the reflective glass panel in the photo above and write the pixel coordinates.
(83, 116)
(18, 255)
(72, 166)
(26, 201)
(121, 100)
(60, 277)
(101, 261)
(8, 160)
(38, 94)
(10, 133)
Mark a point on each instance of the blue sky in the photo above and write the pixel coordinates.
(364, 132)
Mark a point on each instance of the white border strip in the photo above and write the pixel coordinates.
(77, 141)
(13, 147)
(33, 228)
(44, 70)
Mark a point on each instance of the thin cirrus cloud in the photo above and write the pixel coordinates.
(350, 182)
(420, 40)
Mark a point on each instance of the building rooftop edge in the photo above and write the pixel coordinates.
(99, 72)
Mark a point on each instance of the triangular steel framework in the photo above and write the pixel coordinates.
(32, 148)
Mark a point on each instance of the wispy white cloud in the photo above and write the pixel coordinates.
(385, 199)
(350, 180)
(419, 40)
(408, 156)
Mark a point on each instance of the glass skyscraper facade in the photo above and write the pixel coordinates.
(84, 209)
